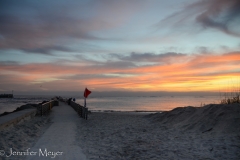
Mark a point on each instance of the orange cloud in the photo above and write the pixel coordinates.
(199, 72)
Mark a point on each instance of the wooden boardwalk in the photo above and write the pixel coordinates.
(59, 141)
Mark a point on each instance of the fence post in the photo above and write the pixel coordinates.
(81, 108)
(86, 113)
(46, 107)
(81, 111)
(41, 110)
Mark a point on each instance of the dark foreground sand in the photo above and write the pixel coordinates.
(210, 132)
(22, 136)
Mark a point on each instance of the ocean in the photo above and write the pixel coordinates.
(158, 103)
(10, 104)
(162, 103)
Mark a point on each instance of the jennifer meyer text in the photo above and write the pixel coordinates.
(41, 153)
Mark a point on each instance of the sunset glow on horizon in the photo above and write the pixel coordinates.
(108, 45)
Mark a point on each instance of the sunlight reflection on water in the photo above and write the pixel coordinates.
(162, 103)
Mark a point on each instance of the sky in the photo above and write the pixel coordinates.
(119, 45)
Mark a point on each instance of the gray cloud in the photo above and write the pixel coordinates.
(33, 25)
(47, 50)
(223, 15)
(148, 57)
(8, 63)
(84, 76)
(114, 65)
(203, 50)
(94, 76)
(38, 28)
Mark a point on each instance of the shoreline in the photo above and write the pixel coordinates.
(145, 104)
(116, 111)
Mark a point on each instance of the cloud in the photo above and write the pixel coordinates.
(222, 15)
(196, 71)
(165, 58)
(31, 36)
(47, 50)
(41, 27)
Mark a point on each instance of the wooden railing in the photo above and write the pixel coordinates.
(82, 111)
(46, 107)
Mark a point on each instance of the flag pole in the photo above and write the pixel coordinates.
(86, 93)
(85, 110)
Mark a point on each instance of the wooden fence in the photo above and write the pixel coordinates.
(46, 107)
(82, 111)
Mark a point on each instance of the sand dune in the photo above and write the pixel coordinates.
(210, 132)
(22, 136)
(220, 118)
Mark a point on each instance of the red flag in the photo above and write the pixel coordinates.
(86, 92)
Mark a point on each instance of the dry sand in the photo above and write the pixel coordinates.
(210, 132)
(22, 136)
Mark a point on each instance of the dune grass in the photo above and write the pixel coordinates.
(231, 95)
(230, 100)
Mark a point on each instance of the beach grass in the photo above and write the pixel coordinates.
(231, 95)
(231, 100)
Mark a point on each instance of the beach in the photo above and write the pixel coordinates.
(209, 132)
(120, 80)
(23, 135)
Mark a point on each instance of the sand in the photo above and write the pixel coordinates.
(22, 136)
(59, 140)
(210, 132)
